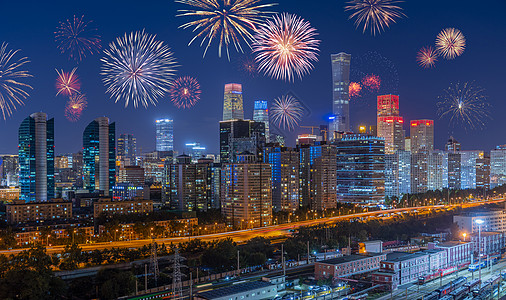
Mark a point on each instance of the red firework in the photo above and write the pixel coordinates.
(67, 83)
(354, 89)
(75, 106)
(372, 82)
(185, 92)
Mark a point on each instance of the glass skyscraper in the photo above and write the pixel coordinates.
(390, 124)
(127, 147)
(36, 158)
(99, 156)
(232, 102)
(164, 135)
(340, 93)
(261, 114)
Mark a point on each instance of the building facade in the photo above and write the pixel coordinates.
(340, 93)
(498, 166)
(36, 158)
(111, 207)
(232, 102)
(127, 148)
(99, 156)
(347, 265)
(398, 173)
(23, 212)
(164, 134)
(261, 114)
(493, 220)
(390, 124)
(237, 136)
(285, 177)
(422, 135)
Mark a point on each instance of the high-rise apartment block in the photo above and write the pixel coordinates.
(232, 102)
(99, 156)
(36, 158)
(398, 173)
(422, 135)
(246, 192)
(127, 148)
(390, 123)
(340, 93)
(164, 135)
(285, 177)
(498, 166)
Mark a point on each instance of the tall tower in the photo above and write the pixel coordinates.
(127, 146)
(390, 123)
(422, 135)
(261, 114)
(36, 158)
(164, 135)
(340, 92)
(232, 103)
(99, 155)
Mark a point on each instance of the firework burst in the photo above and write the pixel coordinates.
(450, 43)
(185, 92)
(426, 57)
(230, 22)
(77, 38)
(372, 82)
(75, 106)
(285, 47)
(137, 68)
(465, 104)
(12, 90)
(286, 112)
(248, 65)
(354, 89)
(67, 83)
(377, 15)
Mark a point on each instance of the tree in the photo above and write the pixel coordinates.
(114, 283)
(71, 257)
(221, 255)
(29, 284)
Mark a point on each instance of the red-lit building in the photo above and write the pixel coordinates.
(390, 123)
(422, 135)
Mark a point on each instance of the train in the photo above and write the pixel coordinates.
(453, 286)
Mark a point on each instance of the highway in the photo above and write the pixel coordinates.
(273, 231)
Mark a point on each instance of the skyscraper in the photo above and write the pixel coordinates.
(36, 158)
(237, 136)
(232, 103)
(99, 156)
(164, 135)
(340, 93)
(284, 177)
(398, 173)
(452, 145)
(390, 123)
(261, 114)
(127, 147)
(498, 166)
(422, 135)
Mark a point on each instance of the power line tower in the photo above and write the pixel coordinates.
(153, 263)
(177, 286)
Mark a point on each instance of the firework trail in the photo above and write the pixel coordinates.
(426, 57)
(137, 68)
(185, 92)
(375, 15)
(75, 106)
(465, 104)
(372, 82)
(450, 43)
(285, 47)
(248, 65)
(77, 38)
(67, 83)
(354, 89)
(286, 112)
(229, 22)
(13, 91)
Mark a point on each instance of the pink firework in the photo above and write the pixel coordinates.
(286, 47)
(426, 57)
(185, 92)
(67, 83)
(354, 89)
(372, 82)
(75, 106)
(77, 38)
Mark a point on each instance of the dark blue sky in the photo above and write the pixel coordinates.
(30, 26)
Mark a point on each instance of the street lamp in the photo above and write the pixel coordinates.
(479, 222)
(464, 235)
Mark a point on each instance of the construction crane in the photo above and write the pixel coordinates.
(318, 128)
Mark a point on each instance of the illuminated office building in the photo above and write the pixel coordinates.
(237, 136)
(285, 177)
(261, 114)
(398, 173)
(390, 123)
(36, 158)
(127, 148)
(422, 135)
(498, 166)
(99, 156)
(232, 102)
(164, 135)
(340, 93)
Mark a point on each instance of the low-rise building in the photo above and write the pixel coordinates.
(9, 194)
(347, 265)
(493, 220)
(491, 243)
(135, 206)
(254, 290)
(458, 253)
(22, 212)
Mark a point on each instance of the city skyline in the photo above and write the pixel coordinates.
(417, 87)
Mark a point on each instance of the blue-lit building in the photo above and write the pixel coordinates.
(398, 173)
(360, 168)
(36, 158)
(128, 191)
(284, 177)
(164, 135)
(261, 114)
(99, 156)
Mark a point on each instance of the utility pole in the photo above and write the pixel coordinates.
(238, 267)
(145, 277)
(283, 260)
(191, 285)
(153, 263)
(177, 286)
(308, 252)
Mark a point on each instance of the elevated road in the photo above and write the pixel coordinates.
(274, 231)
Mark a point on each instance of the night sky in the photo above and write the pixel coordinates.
(30, 26)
